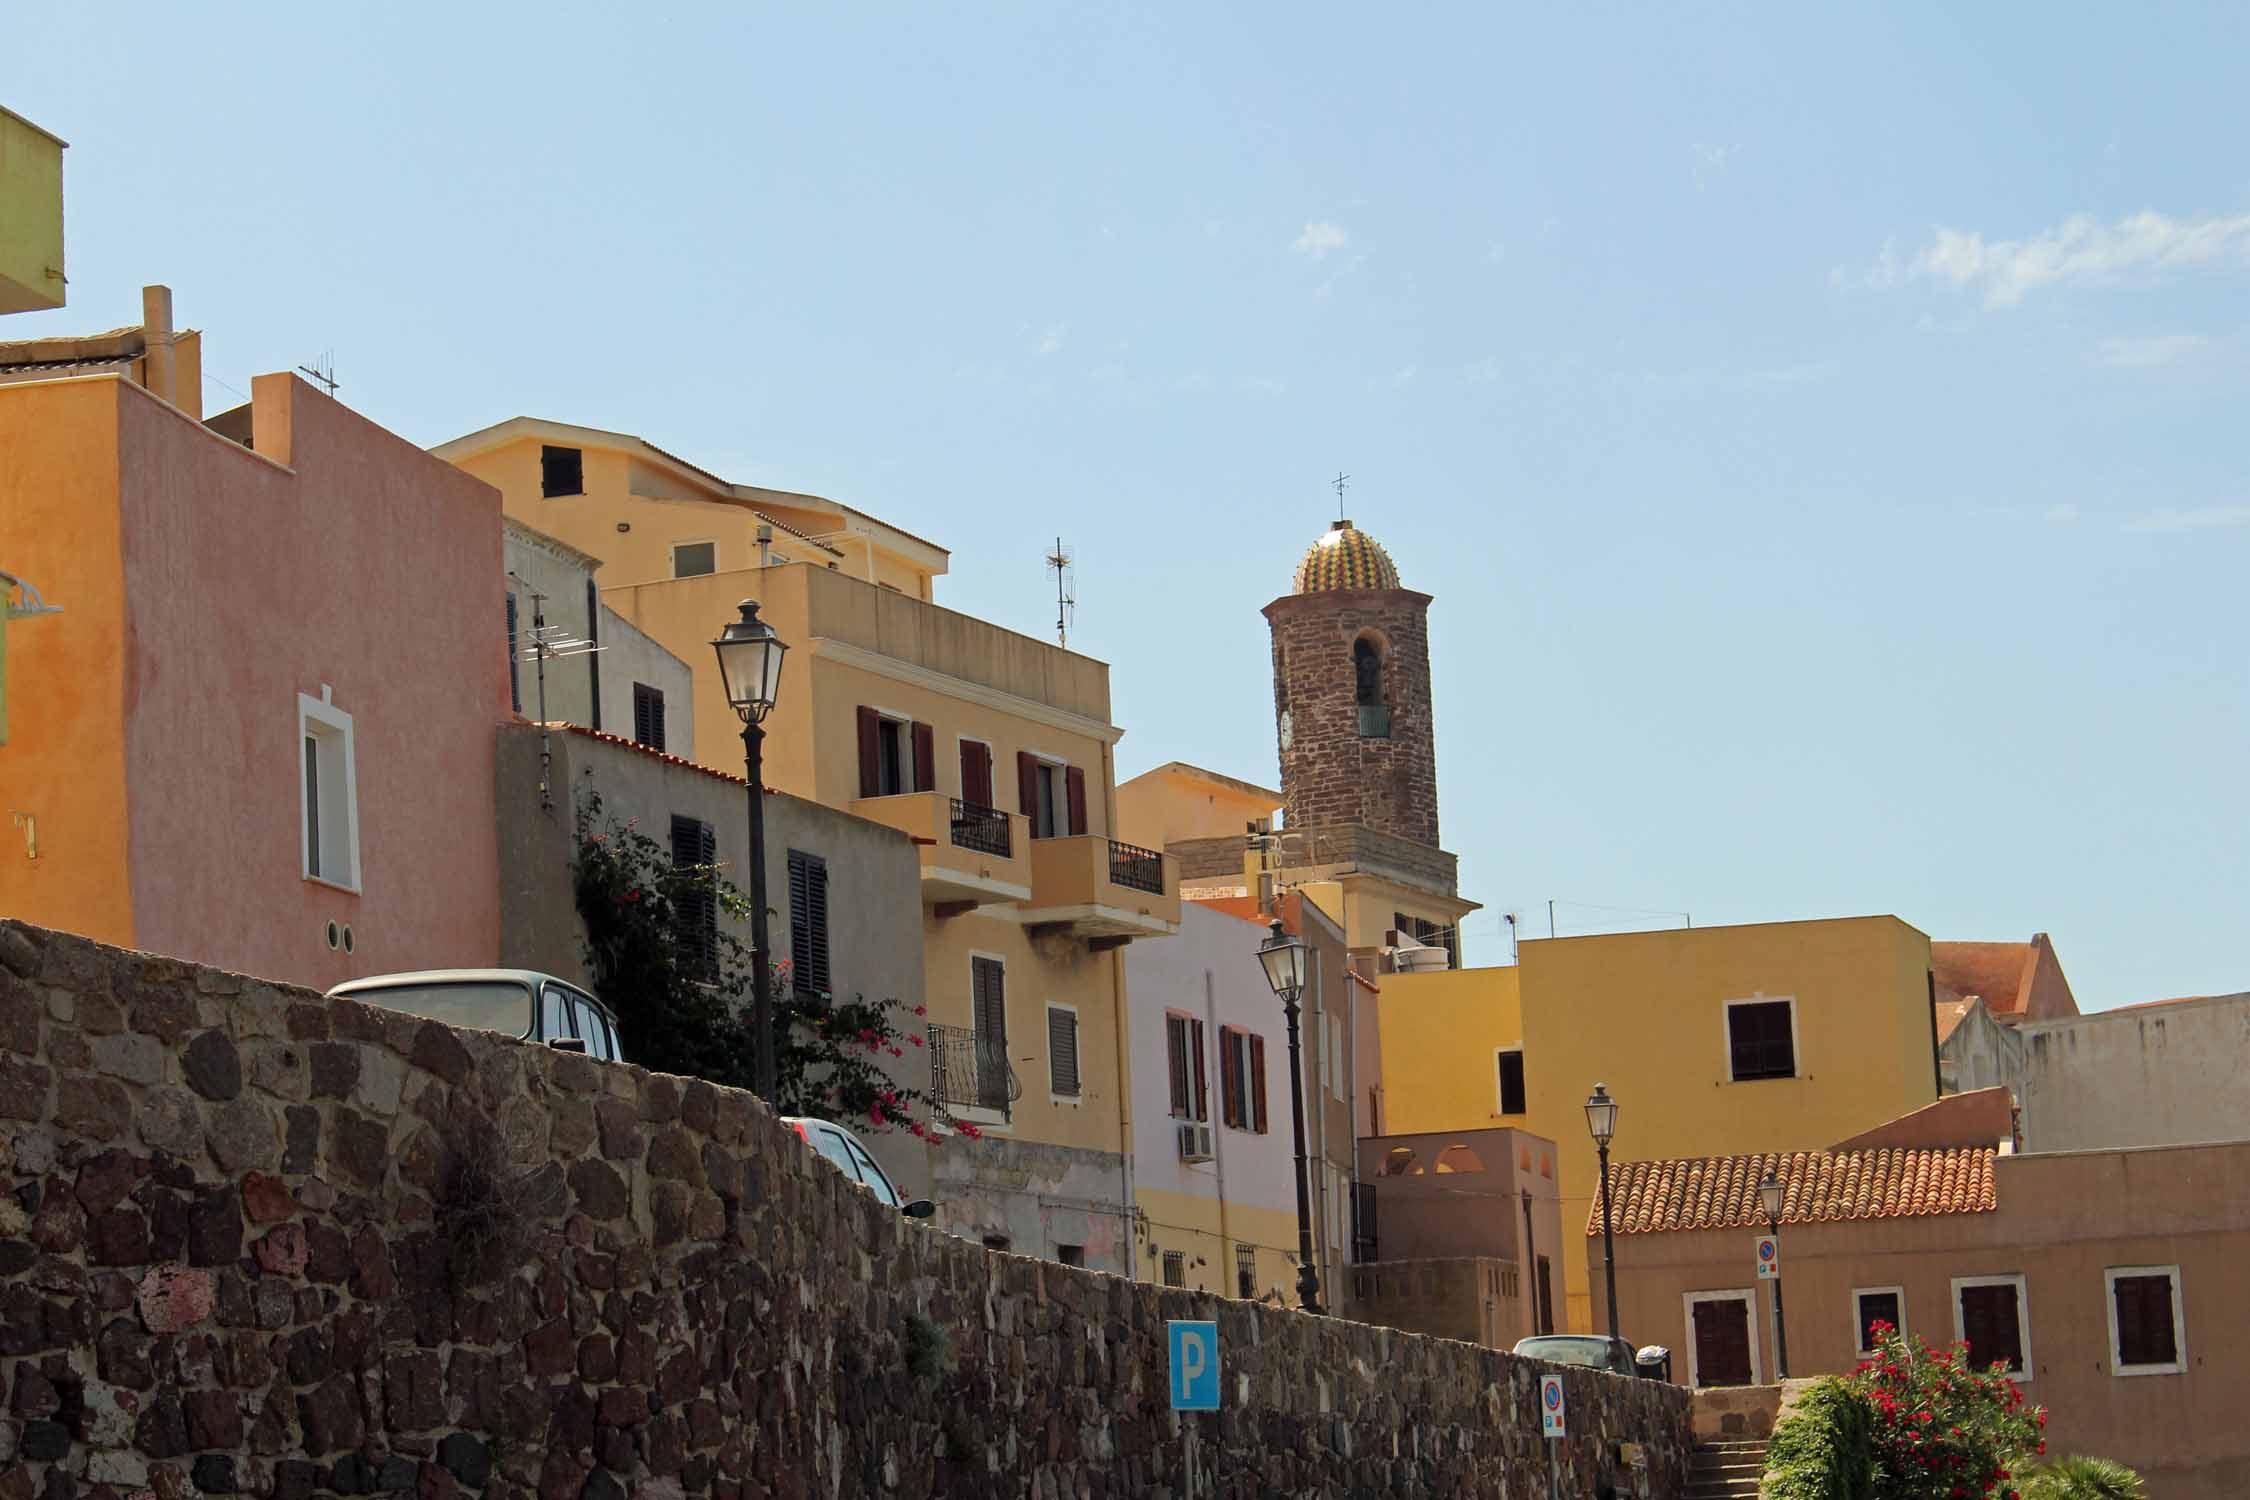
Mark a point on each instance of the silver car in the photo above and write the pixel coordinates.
(514, 1002)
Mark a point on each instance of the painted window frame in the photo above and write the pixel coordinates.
(992, 754)
(2017, 1280)
(672, 555)
(2120, 1370)
(905, 721)
(321, 720)
(1500, 1094)
(1748, 1297)
(1059, 820)
(1796, 1039)
(1078, 1060)
(1859, 1323)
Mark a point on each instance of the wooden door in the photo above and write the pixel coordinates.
(1722, 1342)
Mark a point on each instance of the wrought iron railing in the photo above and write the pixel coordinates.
(971, 1069)
(984, 829)
(1135, 868)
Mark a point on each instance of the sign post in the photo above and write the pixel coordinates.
(1551, 1406)
(1194, 1348)
(1769, 1258)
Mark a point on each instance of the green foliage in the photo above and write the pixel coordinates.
(682, 995)
(2077, 1477)
(929, 1348)
(1824, 1449)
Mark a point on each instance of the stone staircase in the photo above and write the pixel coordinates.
(1725, 1469)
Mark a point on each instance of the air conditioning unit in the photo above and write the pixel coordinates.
(1195, 1142)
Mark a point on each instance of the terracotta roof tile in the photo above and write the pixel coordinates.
(1819, 1187)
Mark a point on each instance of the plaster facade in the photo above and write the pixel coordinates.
(2142, 1075)
(596, 689)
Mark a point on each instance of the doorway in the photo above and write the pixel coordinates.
(1720, 1348)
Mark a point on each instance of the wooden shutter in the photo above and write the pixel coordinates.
(870, 753)
(1062, 1051)
(1075, 780)
(1988, 1322)
(1230, 1077)
(2144, 1321)
(990, 1001)
(1202, 1086)
(515, 683)
(976, 773)
(1176, 1053)
(1258, 1083)
(925, 758)
(695, 846)
(808, 921)
(1027, 784)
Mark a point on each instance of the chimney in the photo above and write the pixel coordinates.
(156, 337)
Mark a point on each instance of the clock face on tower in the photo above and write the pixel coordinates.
(1285, 735)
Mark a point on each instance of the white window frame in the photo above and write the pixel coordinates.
(1876, 1291)
(905, 723)
(1748, 1297)
(319, 718)
(672, 554)
(1499, 1098)
(2023, 1315)
(2117, 1366)
(1061, 769)
(1078, 1034)
(1726, 1037)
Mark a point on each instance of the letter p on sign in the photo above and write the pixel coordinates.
(1195, 1364)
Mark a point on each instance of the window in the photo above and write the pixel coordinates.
(1175, 1268)
(694, 559)
(648, 716)
(1367, 690)
(996, 1242)
(1071, 1255)
(1761, 1039)
(515, 680)
(695, 904)
(1511, 1081)
(329, 799)
(1872, 1305)
(976, 773)
(1989, 1312)
(1245, 1271)
(808, 922)
(1234, 1077)
(988, 1002)
(895, 755)
(1440, 935)
(2147, 1333)
(1062, 1051)
(1051, 795)
(562, 471)
(878, 1182)
(1183, 1046)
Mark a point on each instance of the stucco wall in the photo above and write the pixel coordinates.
(539, 564)
(1980, 1054)
(261, 1242)
(2145, 1076)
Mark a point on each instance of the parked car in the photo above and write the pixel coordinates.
(849, 1157)
(1594, 1351)
(514, 1002)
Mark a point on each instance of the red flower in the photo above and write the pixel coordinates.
(921, 1010)
(970, 1130)
(917, 1041)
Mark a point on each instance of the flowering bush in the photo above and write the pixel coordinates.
(680, 984)
(1941, 1430)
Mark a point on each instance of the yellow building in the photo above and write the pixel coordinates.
(1713, 1040)
(993, 750)
(31, 216)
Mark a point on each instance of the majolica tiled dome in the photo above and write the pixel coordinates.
(1346, 558)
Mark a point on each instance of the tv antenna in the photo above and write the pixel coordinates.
(544, 643)
(1059, 563)
(324, 372)
(1339, 482)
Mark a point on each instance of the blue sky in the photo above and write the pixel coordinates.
(1822, 430)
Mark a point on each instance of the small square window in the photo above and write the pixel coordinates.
(1175, 1268)
(1990, 1317)
(2146, 1336)
(694, 559)
(1245, 1271)
(1872, 1305)
(1761, 1039)
(562, 471)
(1071, 1255)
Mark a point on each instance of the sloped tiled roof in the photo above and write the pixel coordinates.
(1821, 1187)
(1950, 1015)
(1980, 1117)
(2016, 981)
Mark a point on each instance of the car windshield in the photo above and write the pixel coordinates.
(476, 1005)
(1592, 1353)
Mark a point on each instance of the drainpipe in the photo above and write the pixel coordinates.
(1350, 1062)
(1124, 1110)
(1320, 1114)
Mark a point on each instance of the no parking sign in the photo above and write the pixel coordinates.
(1550, 1406)
(1769, 1257)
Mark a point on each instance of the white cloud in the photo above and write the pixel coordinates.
(2148, 352)
(1321, 237)
(2145, 246)
(2203, 518)
(1710, 161)
(1052, 339)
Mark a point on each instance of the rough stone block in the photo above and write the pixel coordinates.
(242, 1134)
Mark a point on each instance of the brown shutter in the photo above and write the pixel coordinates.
(1258, 1083)
(925, 758)
(870, 757)
(1075, 780)
(1230, 1077)
(1027, 783)
(1176, 1048)
(976, 773)
(1202, 1088)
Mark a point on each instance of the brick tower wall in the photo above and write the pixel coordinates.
(1329, 774)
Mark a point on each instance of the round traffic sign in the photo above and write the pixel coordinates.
(1554, 1394)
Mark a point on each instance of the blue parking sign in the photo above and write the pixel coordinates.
(1195, 1364)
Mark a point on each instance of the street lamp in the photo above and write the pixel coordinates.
(1601, 1122)
(750, 668)
(1284, 959)
(1769, 1194)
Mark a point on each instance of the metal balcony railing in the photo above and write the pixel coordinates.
(1135, 868)
(970, 1069)
(984, 829)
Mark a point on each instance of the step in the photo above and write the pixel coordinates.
(1745, 1490)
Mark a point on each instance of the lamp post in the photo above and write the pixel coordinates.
(1769, 1193)
(750, 667)
(1601, 1122)
(1284, 959)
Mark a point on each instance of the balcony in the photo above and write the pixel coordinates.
(967, 1073)
(1101, 890)
(971, 856)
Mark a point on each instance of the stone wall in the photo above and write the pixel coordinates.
(254, 1242)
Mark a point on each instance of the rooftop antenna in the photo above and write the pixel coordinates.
(544, 643)
(1066, 601)
(1339, 482)
(324, 372)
